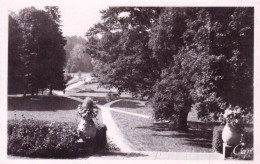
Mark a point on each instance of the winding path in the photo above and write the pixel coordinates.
(113, 132)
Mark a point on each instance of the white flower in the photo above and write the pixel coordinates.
(227, 112)
(237, 109)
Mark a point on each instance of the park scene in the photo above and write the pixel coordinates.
(167, 83)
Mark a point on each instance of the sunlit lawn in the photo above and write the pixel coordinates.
(140, 107)
(133, 106)
(148, 135)
(47, 108)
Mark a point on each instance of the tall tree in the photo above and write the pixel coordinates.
(120, 46)
(43, 49)
(232, 43)
(55, 74)
(180, 57)
(172, 99)
(16, 67)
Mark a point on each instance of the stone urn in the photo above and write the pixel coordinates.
(86, 127)
(230, 135)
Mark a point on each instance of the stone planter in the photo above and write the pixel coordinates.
(230, 136)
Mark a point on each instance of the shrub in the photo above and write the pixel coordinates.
(112, 96)
(249, 137)
(217, 143)
(171, 100)
(48, 140)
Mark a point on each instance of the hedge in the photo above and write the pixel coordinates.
(217, 143)
(50, 140)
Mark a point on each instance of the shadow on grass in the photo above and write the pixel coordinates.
(160, 126)
(116, 153)
(199, 134)
(41, 103)
(98, 100)
(193, 137)
(126, 104)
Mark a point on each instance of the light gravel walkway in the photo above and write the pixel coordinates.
(130, 113)
(113, 132)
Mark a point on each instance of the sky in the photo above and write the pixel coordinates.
(76, 18)
(79, 15)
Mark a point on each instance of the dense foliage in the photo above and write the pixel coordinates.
(122, 55)
(217, 142)
(44, 139)
(36, 50)
(178, 58)
(77, 59)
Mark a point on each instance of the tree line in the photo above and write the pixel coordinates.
(36, 55)
(177, 58)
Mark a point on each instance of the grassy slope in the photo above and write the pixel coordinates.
(140, 108)
(134, 107)
(148, 135)
(52, 108)
(47, 108)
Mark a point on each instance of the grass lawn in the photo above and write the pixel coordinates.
(41, 103)
(46, 108)
(133, 106)
(94, 87)
(140, 108)
(148, 135)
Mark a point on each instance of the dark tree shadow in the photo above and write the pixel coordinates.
(117, 153)
(126, 104)
(158, 126)
(41, 103)
(199, 134)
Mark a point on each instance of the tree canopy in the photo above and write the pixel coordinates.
(122, 55)
(41, 49)
(178, 58)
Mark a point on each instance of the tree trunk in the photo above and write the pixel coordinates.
(50, 91)
(183, 120)
(32, 93)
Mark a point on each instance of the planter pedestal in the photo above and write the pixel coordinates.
(87, 146)
(230, 139)
(227, 150)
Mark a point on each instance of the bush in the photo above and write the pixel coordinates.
(112, 96)
(249, 137)
(49, 140)
(217, 143)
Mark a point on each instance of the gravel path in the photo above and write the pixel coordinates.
(113, 132)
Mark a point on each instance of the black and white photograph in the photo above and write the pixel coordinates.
(96, 81)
